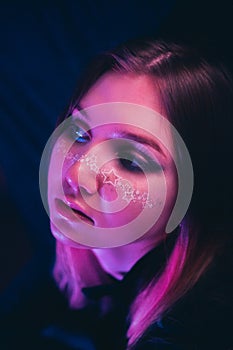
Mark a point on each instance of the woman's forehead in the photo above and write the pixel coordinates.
(124, 87)
(128, 120)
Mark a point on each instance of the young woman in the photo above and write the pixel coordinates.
(138, 113)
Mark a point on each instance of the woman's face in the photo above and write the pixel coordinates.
(116, 168)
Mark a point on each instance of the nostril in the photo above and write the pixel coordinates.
(69, 186)
(70, 182)
(78, 178)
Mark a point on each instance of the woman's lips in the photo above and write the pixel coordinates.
(68, 211)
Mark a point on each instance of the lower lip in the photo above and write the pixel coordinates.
(67, 213)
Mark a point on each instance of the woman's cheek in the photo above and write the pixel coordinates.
(122, 217)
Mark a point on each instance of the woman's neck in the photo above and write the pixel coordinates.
(118, 261)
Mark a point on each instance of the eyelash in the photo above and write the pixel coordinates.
(77, 132)
(126, 158)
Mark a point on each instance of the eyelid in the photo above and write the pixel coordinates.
(79, 123)
(143, 151)
(143, 140)
(80, 111)
(77, 129)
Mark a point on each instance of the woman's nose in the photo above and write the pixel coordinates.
(77, 178)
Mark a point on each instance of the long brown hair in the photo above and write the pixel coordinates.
(197, 96)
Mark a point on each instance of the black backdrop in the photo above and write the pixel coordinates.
(44, 46)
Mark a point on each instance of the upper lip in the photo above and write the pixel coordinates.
(74, 207)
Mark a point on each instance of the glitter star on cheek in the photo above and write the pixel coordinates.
(128, 196)
(110, 177)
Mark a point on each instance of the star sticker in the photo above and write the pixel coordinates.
(61, 147)
(94, 168)
(110, 177)
(144, 196)
(91, 159)
(147, 204)
(70, 156)
(124, 185)
(128, 196)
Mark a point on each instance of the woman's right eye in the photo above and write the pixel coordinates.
(79, 135)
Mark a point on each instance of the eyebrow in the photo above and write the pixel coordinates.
(129, 135)
(141, 139)
(81, 110)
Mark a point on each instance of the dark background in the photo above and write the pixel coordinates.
(44, 47)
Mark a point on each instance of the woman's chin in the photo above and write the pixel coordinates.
(62, 238)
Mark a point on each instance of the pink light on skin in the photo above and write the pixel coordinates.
(87, 212)
(113, 88)
(108, 189)
(110, 177)
(112, 182)
(113, 185)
